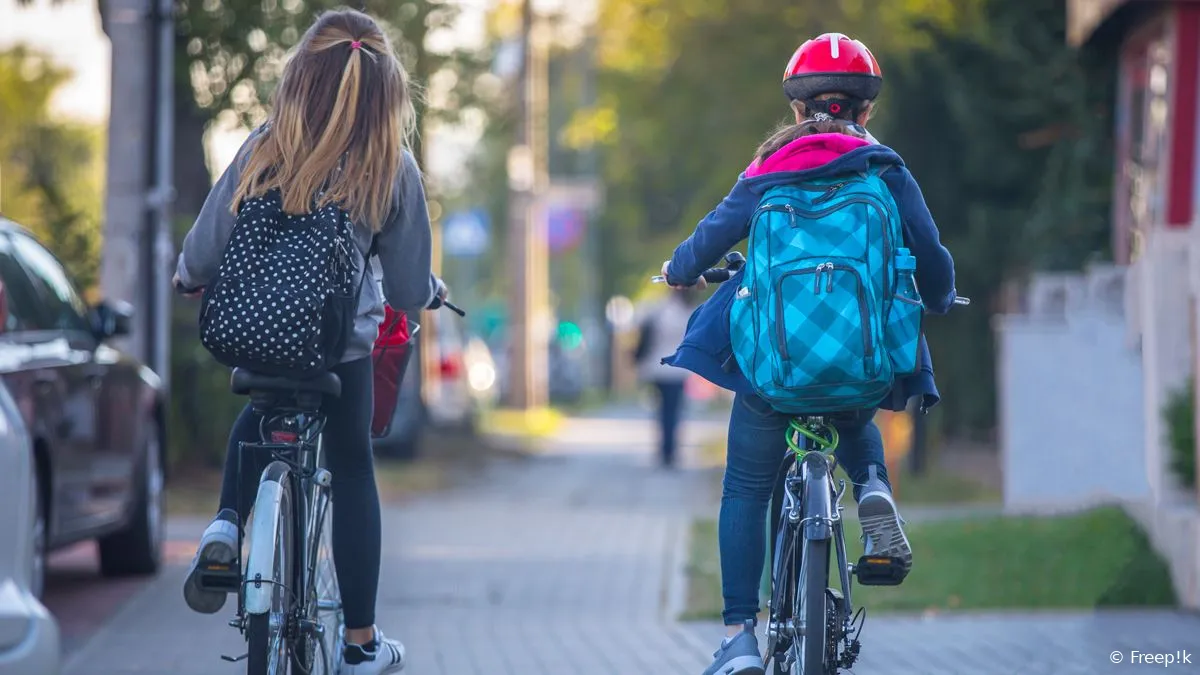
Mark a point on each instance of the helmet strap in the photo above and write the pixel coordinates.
(833, 108)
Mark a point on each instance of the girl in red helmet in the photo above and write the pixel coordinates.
(831, 83)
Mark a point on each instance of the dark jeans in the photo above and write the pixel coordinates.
(670, 408)
(347, 449)
(757, 446)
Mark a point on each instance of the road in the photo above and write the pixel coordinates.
(569, 561)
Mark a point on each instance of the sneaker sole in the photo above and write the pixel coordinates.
(881, 524)
(743, 665)
(200, 600)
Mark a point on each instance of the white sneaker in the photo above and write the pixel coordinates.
(385, 656)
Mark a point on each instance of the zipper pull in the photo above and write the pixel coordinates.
(829, 192)
(817, 279)
(829, 279)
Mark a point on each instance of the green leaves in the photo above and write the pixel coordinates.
(995, 115)
(51, 173)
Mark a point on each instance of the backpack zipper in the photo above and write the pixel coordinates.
(829, 192)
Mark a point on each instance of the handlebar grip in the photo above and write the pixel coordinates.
(184, 290)
(453, 308)
(717, 275)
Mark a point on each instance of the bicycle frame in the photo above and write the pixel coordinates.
(292, 436)
(811, 514)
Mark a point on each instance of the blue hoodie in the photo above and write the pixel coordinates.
(706, 349)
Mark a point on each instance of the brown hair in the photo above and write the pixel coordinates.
(342, 116)
(790, 131)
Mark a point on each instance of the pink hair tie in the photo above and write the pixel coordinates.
(356, 45)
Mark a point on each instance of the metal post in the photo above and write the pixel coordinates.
(521, 180)
(163, 194)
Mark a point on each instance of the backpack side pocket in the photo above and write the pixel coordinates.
(902, 335)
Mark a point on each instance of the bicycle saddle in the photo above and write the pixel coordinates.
(244, 382)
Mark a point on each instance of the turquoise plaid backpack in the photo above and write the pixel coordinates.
(828, 313)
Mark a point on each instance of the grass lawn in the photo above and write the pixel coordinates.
(934, 488)
(1097, 558)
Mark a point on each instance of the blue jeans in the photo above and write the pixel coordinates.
(757, 446)
(670, 408)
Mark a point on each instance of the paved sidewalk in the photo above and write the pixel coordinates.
(568, 562)
(1022, 643)
(565, 562)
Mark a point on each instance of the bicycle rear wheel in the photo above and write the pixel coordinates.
(813, 606)
(266, 634)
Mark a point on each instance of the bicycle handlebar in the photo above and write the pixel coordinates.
(735, 261)
(183, 290)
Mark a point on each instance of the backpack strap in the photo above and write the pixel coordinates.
(374, 249)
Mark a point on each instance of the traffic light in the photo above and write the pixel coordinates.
(569, 335)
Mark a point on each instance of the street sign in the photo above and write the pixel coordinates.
(565, 227)
(465, 234)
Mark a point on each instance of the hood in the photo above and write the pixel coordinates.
(818, 156)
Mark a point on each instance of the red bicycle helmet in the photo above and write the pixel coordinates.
(832, 63)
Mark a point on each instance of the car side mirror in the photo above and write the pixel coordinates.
(112, 318)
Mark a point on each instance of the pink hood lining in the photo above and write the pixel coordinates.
(808, 152)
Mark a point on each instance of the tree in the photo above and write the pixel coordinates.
(50, 170)
(1004, 127)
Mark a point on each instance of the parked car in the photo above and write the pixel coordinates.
(94, 414)
(29, 643)
(465, 386)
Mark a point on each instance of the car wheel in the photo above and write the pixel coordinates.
(137, 548)
(37, 566)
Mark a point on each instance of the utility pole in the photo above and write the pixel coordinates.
(130, 122)
(162, 196)
(528, 178)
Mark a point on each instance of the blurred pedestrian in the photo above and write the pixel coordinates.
(660, 331)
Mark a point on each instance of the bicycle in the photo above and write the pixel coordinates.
(811, 624)
(289, 604)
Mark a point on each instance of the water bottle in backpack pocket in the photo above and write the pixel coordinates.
(903, 334)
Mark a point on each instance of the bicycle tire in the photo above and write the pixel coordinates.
(263, 641)
(816, 580)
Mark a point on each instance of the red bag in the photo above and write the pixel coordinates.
(390, 356)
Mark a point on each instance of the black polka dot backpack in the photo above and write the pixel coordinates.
(286, 293)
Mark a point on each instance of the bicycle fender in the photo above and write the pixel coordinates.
(264, 530)
(818, 502)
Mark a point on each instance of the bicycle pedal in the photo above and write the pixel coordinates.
(225, 577)
(880, 571)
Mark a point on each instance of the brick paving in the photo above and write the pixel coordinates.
(568, 562)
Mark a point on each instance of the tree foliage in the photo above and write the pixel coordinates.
(1004, 126)
(51, 171)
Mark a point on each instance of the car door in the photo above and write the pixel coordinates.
(30, 357)
(75, 369)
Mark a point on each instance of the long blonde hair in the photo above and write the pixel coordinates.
(341, 118)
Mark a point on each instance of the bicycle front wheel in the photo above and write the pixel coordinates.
(317, 653)
(266, 633)
(814, 600)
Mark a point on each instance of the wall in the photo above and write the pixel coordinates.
(1072, 423)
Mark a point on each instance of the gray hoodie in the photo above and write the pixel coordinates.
(403, 247)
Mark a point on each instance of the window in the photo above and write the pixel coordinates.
(62, 308)
(19, 292)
